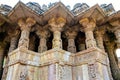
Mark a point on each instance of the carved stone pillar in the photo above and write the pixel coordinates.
(56, 27)
(113, 64)
(71, 40)
(99, 39)
(25, 26)
(116, 30)
(88, 27)
(43, 35)
(13, 42)
(32, 43)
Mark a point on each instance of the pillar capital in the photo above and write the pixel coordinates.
(26, 24)
(14, 33)
(88, 24)
(70, 33)
(42, 32)
(99, 32)
(57, 23)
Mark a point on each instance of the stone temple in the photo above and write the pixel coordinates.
(55, 42)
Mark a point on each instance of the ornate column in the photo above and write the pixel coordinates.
(56, 27)
(71, 40)
(99, 38)
(32, 43)
(25, 26)
(14, 38)
(113, 64)
(88, 27)
(43, 35)
(116, 29)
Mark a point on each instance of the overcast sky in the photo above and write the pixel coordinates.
(116, 3)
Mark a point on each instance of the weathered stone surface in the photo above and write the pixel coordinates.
(44, 34)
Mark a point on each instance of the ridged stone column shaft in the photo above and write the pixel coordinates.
(43, 34)
(70, 34)
(99, 39)
(14, 39)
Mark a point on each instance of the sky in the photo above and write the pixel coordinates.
(116, 4)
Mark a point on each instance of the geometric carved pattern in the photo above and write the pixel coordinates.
(92, 71)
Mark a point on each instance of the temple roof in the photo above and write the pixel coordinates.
(80, 10)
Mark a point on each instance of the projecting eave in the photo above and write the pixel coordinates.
(59, 9)
(22, 11)
(94, 12)
(114, 16)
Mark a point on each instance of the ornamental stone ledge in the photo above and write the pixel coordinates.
(90, 55)
(27, 57)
